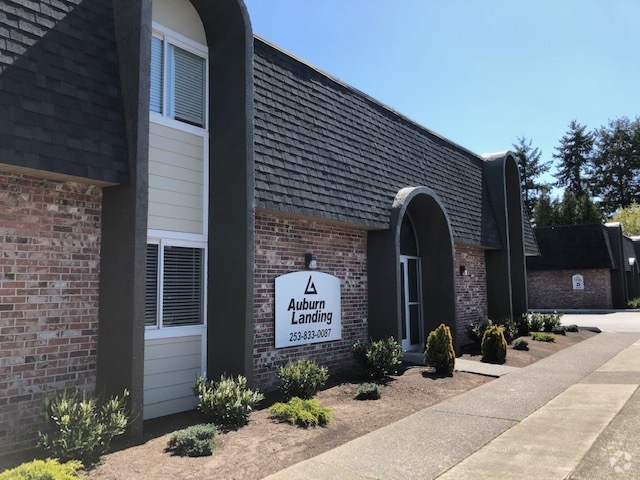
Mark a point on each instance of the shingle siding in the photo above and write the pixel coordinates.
(327, 151)
(60, 104)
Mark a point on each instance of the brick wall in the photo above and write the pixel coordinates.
(471, 290)
(280, 247)
(554, 289)
(49, 260)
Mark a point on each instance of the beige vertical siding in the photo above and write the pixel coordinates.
(176, 177)
(170, 369)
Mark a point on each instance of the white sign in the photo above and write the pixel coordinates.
(578, 282)
(307, 308)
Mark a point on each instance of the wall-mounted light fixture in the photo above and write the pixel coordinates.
(310, 261)
(464, 271)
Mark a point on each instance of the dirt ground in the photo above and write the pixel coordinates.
(537, 350)
(264, 446)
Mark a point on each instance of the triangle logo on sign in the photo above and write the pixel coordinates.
(311, 288)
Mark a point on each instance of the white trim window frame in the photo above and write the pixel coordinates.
(159, 330)
(171, 39)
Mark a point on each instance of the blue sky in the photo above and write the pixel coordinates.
(479, 72)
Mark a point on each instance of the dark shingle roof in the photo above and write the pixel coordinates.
(572, 246)
(628, 251)
(323, 149)
(61, 108)
(530, 244)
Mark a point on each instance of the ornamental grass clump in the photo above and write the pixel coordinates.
(194, 441)
(378, 358)
(439, 352)
(301, 412)
(302, 378)
(543, 337)
(49, 469)
(227, 402)
(80, 425)
(494, 346)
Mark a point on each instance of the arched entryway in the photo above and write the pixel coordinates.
(411, 270)
(412, 316)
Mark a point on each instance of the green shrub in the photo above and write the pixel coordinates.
(510, 328)
(228, 402)
(476, 330)
(439, 352)
(49, 469)
(536, 322)
(368, 391)
(551, 320)
(542, 337)
(494, 345)
(572, 328)
(302, 378)
(521, 344)
(378, 358)
(193, 441)
(304, 413)
(634, 303)
(80, 426)
(559, 330)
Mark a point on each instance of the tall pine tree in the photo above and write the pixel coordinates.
(616, 164)
(574, 154)
(531, 168)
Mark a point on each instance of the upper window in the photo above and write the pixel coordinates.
(178, 81)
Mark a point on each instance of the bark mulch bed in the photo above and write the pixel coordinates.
(264, 447)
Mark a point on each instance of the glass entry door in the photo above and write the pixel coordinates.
(411, 303)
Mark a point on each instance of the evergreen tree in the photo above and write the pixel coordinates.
(568, 214)
(587, 211)
(574, 154)
(616, 164)
(531, 168)
(545, 211)
(571, 210)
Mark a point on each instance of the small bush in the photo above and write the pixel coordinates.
(378, 358)
(228, 402)
(49, 469)
(572, 328)
(551, 320)
(80, 426)
(305, 413)
(368, 391)
(521, 344)
(193, 441)
(559, 330)
(476, 330)
(302, 378)
(510, 328)
(439, 352)
(542, 337)
(536, 322)
(634, 303)
(494, 345)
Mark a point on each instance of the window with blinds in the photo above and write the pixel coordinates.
(176, 296)
(178, 82)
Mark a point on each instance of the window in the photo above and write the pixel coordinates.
(178, 81)
(174, 286)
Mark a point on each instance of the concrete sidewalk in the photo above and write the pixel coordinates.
(547, 420)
